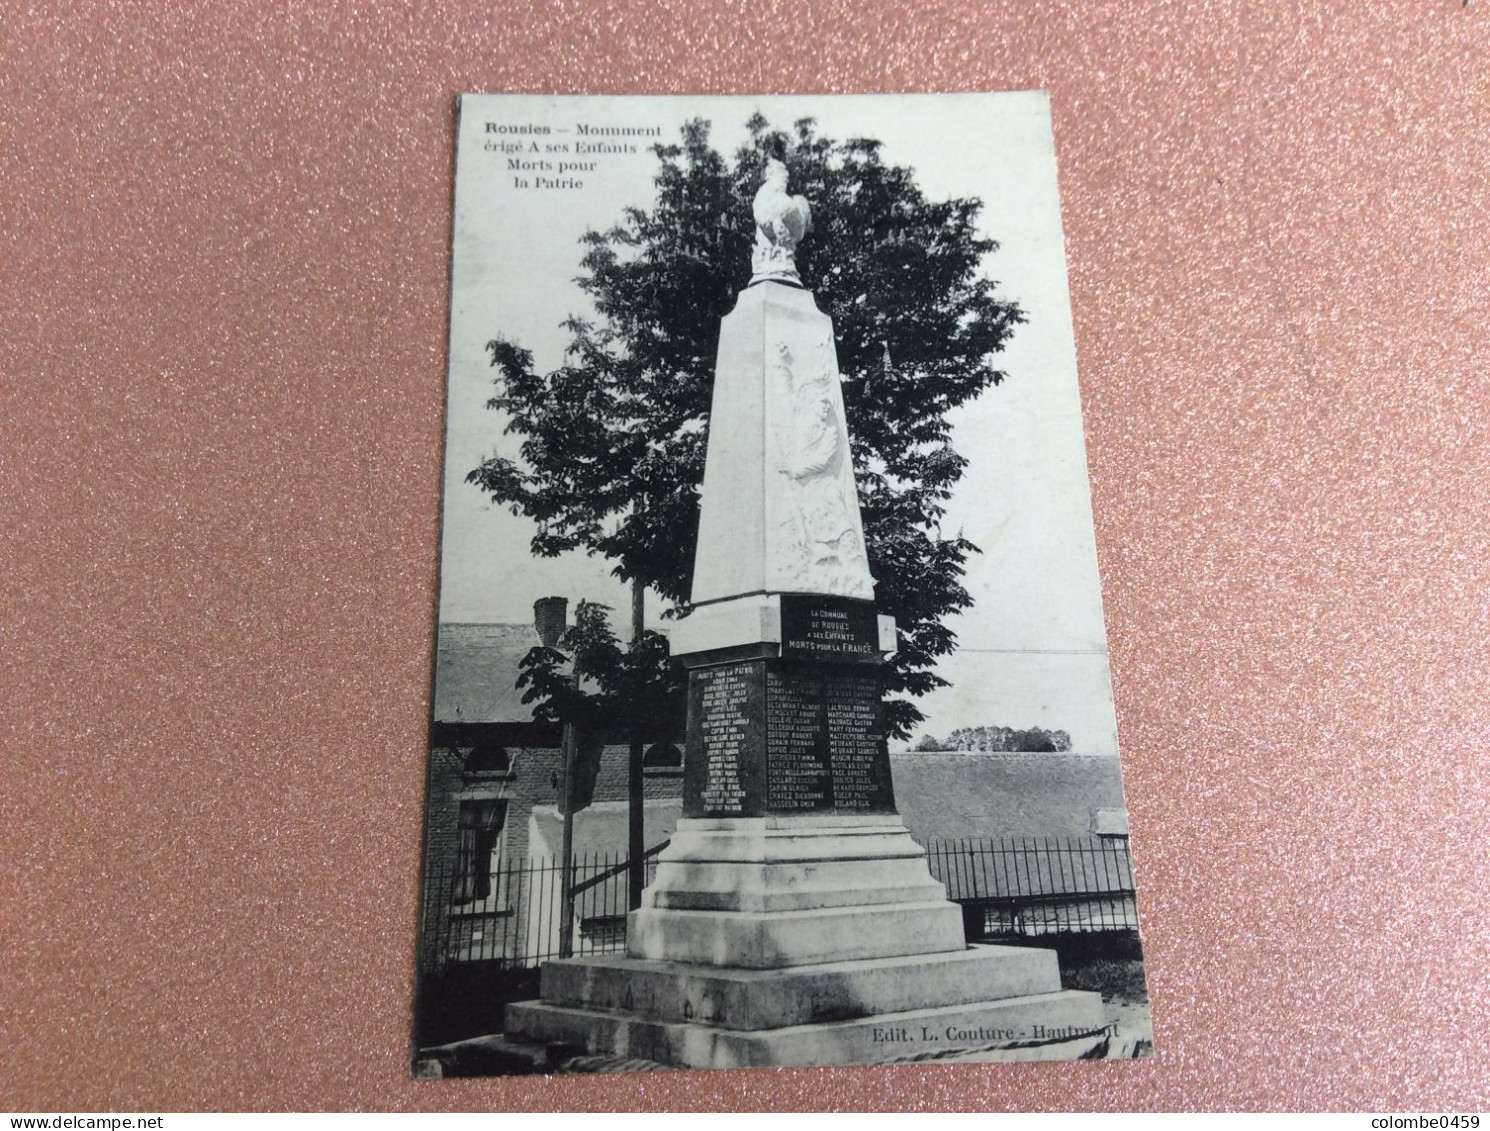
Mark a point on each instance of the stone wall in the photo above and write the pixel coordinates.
(998, 795)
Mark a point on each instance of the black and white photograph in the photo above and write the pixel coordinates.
(772, 722)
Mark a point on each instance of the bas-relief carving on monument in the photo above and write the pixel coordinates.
(821, 547)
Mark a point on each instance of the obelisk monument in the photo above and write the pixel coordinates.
(793, 920)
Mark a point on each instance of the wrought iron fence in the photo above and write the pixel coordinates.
(1037, 885)
(513, 914)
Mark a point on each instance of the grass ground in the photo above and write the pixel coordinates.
(1118, 980)
(1113, 967)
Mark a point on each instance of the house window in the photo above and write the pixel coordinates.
(479, 844)
(487, 758)
(664, 754)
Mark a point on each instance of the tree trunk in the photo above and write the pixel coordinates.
(636, 867)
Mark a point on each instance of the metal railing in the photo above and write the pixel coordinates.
(1014, 886)
(512, 914)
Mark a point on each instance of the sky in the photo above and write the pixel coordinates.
(1032, 648)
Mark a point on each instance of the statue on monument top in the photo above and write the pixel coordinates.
(781, 220)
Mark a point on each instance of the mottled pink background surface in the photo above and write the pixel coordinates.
(224, 244)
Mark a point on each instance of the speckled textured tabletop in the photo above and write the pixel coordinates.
(224, 246)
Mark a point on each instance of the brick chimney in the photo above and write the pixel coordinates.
(550, 618)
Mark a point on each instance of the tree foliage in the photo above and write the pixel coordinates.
(1035, 740)
(593, 682)
(614, 439)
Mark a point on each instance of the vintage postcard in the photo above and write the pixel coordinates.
(772, 721)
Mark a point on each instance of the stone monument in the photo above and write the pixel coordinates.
(793, 920)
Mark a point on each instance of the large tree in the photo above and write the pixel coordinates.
(613, 444)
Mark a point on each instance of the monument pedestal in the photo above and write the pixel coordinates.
(774, 892)
(793, 941)
(793, 920)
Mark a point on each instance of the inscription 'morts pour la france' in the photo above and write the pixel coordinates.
(829, 628)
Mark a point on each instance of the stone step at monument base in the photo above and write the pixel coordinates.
(791, 886)
(1057, 1026)
(791, 864)
(802, 888)
(768, 940)
(801, 995)
(782, 891)
(803, 838)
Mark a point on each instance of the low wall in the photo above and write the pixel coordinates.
(997, 795)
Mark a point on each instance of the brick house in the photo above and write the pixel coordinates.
(492, 821)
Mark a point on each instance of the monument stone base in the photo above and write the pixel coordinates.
(1057, 1025)
(794, 941)
(771, 892)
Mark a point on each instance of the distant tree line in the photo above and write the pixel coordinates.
(993, 740)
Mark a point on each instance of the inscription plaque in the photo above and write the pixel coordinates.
(829, 628)
(724, 715)
(776, 736)
(825, 748)
(851, 712)
(798, 772)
